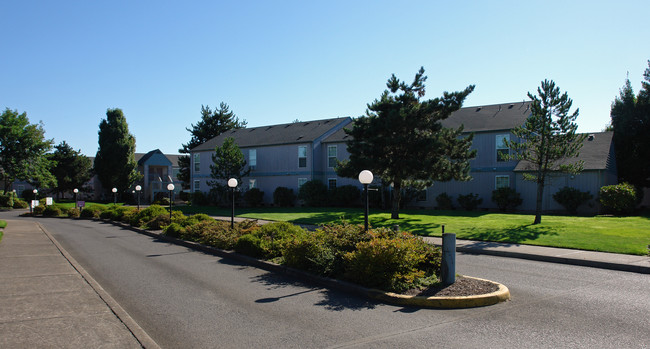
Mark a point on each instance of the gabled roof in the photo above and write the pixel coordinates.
(297, 132)
(495, 117)
(142, 158)
(596, 152)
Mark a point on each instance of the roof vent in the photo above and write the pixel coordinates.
(268, 128)
(591, 137)
(478, 109)
(510, 106)
(299, 137)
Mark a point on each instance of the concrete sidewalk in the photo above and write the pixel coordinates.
(604, 260)
(48, 300)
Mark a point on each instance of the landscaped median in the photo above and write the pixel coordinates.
(382, 264)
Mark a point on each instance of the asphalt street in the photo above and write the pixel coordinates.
(183, 298)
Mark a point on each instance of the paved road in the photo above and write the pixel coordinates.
(186, 299)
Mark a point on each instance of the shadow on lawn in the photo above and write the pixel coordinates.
(516, 235)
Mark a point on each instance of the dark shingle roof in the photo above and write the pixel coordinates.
(475, 119)
(298, 132)
(141, 158)
(489, 118)
(596, 152)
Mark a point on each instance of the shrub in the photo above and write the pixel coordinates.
(39, 209)
(390, 264)
(51, 211)
(571, 198)
(310, 253)
(91, 212)
(253, 197)
(274, 237)
(72, 212)
(469, 202)
(250, 245)
(506, 198)
(346, 195)
(283, 197)
(19, 203)
(619, 199)
(158, 222)
(313, 193)
(162, 201)
(174, 230)
(191, 220)
(7, 200)
(444, 202)
(147, 214)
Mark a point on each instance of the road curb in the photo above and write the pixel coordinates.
(138, 332)
(501, 295)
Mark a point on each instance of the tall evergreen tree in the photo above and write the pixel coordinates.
(402, 141)
(631, 124)
(547, 139)
(70, 168)
(115, 160)
(212, 124)
(22, 146)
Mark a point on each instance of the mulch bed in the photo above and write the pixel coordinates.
(462, 287)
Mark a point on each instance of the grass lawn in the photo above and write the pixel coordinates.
(3, 224)
(629, 235)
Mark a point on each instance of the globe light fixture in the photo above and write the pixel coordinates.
(365, 177)
(170, 187)
(232, 183)
(114, 190)
(138, 189)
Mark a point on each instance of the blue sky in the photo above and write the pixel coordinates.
(66, 62)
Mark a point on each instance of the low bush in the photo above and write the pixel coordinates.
(158, 222)
(19, 203)
(162, 201)
(619, 199)
(249, 245)
(253, 197)
(313, 193)
(444, 202)
(147, 214)
(469, 202)
(72, 212)
(199, 199)
(38, 210)
(52, 211)
(174, 230)
(283, 197)
(345, 196)
(91, 211)
(269, 240)
(7, 200)
(311, 253)
(571, 198)
(506, 198)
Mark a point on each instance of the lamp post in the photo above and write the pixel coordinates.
(232, 183)
(114, 190)
(31, 206)
(365, 177)
(170, 187)
(76, 203)
(138, 188)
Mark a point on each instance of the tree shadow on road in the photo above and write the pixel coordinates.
(333, 300)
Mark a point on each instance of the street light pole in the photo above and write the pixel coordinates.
(138, 188)
(76, 203)
(114, 190)
(170, 187)
(365, 177)
(232, 183)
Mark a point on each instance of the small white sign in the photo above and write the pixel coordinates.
(49, 201)
(34, 203)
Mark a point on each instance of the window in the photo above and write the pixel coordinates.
(252, 183)
(331, 156)
(197, 185)
(501, 182)
(197, 162)
(502, 149)
(252, 158)
(301, 181)
(302, 156)
(331, 183)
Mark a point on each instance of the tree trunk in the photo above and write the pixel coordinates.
(538, 204)
(397, 193)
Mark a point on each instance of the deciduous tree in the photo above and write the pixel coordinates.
(548, 139)
(22, 147)
(401, 139)
(70, 168)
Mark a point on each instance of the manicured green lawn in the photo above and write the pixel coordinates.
(630, 235)
(3, 224)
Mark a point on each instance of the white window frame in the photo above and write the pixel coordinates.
(496, 181)
(252, 183)
(197, 162)
(329, 183)
(196, 186)
(330, 157)
(252, 158)
(301, 182)
(499, 145)
(303, 148)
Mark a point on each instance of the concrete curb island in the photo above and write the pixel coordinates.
(501, 295)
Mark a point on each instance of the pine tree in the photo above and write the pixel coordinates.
(212, 124)
(228, 162)
(115, 160)
(547, 139)
(402, 141)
